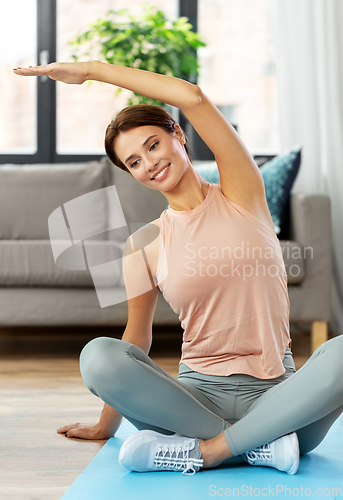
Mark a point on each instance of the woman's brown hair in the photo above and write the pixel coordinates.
(134, 116)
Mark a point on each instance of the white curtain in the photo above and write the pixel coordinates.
(309, 66)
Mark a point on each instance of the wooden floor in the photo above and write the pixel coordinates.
(41, 389)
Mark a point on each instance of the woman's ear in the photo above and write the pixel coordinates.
(179, 134)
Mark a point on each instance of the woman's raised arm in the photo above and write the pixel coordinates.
(240, 178)
(168, 89)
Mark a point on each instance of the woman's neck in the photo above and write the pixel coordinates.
(189, 193)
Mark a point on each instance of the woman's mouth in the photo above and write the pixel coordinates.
(163, 174)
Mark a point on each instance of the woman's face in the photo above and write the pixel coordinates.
(148, 150)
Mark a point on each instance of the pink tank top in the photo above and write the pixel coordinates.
(222, 271)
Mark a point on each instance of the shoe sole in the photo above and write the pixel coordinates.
(129, 440)
(295, 452)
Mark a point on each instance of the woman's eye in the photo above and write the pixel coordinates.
(135, 163)
(153, 145)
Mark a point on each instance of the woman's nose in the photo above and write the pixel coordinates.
(151, 164)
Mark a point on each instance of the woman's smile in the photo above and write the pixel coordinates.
(162, 175)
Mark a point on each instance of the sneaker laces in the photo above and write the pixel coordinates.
(177, 458)
(261, 453)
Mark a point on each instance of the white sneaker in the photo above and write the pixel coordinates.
(282, 454)
(150, 451)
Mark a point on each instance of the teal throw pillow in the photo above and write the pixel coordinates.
(279, 175)
(208, 171)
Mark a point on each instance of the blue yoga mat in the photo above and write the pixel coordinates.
(320, 475)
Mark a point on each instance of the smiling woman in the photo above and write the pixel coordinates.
(158, 158)
(236, 365)
(130, 118)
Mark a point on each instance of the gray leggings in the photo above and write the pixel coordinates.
(307, 401)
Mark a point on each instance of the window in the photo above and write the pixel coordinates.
(42, 121)
(18, 120)
(83, 112)
(238, 67)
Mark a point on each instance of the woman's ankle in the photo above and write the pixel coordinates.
(214, 451)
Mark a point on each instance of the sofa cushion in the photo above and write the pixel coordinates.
(31, 263)
(30, 193)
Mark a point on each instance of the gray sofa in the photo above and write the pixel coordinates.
(35, 291)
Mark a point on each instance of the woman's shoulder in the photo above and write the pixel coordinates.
(259, 211)
(146, 235)
(148, 238)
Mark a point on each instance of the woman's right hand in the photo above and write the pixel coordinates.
(72, 73)
(85, 431)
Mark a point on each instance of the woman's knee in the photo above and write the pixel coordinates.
(333, 369)
(101, 359)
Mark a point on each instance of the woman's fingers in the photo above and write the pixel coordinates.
(73, 73)
(83, 431)
(67, 428)
(31, 71)
(72, 433)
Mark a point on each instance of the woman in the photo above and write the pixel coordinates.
(237, 387)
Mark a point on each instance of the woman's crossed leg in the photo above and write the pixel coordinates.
(309, 402)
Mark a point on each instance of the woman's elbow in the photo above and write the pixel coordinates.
(194, 98)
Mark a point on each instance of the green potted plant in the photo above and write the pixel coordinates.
(148, 41)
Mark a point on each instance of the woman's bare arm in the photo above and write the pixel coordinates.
(138, 331)
(240, 178)
(168, 89)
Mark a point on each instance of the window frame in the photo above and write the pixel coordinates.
(46, 96)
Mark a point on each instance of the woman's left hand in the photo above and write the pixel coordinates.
(72, 73)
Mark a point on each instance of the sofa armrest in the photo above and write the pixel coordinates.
(311, 227)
